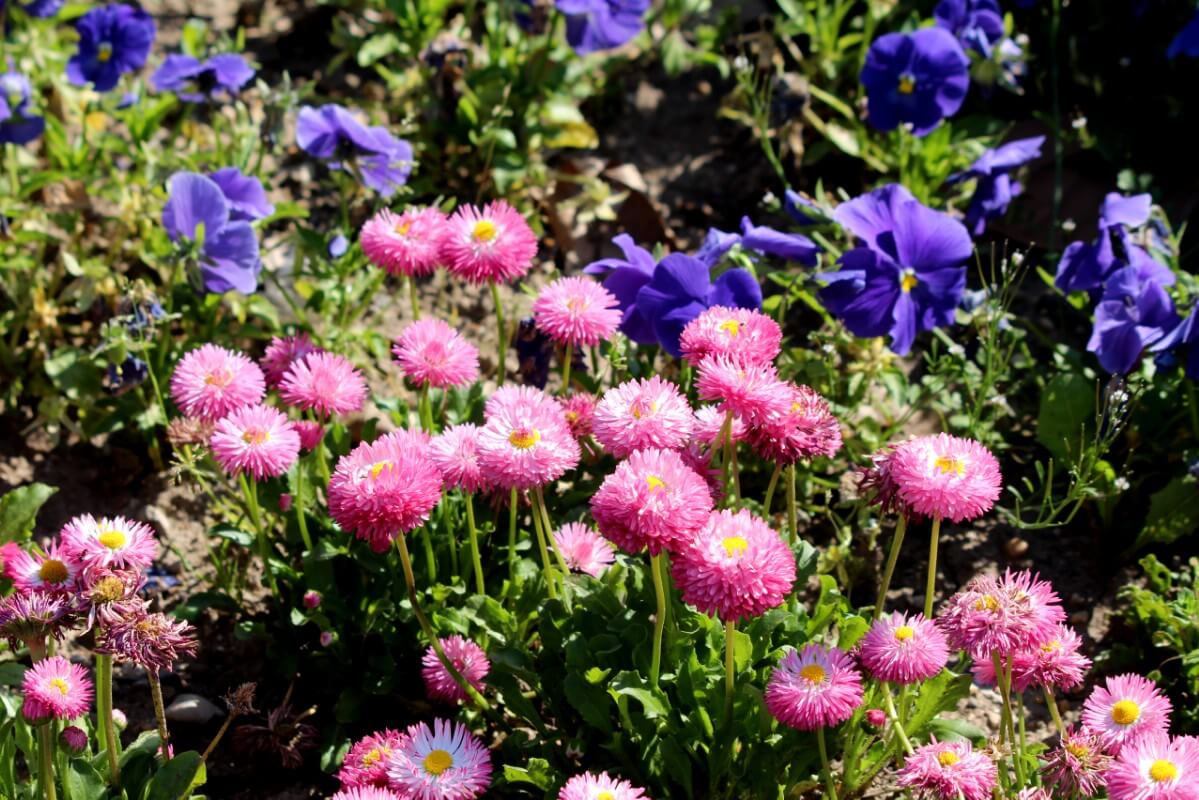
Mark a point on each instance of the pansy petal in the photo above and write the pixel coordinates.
(194, 200)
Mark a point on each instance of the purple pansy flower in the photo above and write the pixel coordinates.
(244, 194)
(228, 258)
(38, 8)
(333, 134)
(907, 275)
(995, 188)
(716, 244)
(593, 25)
(113, 40)
(1086, 266)
(1186, 336)
(977, 24)
(918, 77)
(1134, 313)
(338, 246)
(803, 210)
(682, 288)
(624, 278)
(768, 241)
(195, 81)
(1186, 41)
(18, 123)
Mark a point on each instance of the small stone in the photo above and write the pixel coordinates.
(192, 708)
(1015, 548)
(1079, 619)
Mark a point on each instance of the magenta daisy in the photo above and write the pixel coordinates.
(750, 391)
(404, 244)
(946, 476)
(735, 567)
(638, 414)
(576, 311)
(55, 571)
(366, 762)
(800, 428)
(903, 650)
(430, 351)
(579, 412)
(466, 656)
(151, 640)
(281, 353)
(383, 489)
(583, 549)
(1156, 767)
(1125, 708)
(366, 793)
(651, 500)
(492, 244)
(211, 381)
(258, 440)
(325, 383)
(54, 687)
(310, 433)
(709, 426)
(446, 762)
(949, 771)
(816, 687)
(878, 487)
(527, 444)
(456, 454)
(1076, 765)
(602, 786)
(1055, 663)
(1016, 612)
(113, 542)
(742, 334)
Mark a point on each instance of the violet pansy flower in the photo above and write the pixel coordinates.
(682, 288)
(624, 278)
(716, 244)
(1184, 336)
(195, 81)
(18, 123)
(996, 188)
(228, 257)
(770, 242)
(244, 195)
(334, 135)
(1133, 313)
(593, 25)
(977, 24)
(41, 9)
(918, 78)
(1086, 266)
(1186, 41)
(113, 40)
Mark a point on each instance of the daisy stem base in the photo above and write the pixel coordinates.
(301, 520)
(896, 725)
(449, 532)
(551, 578)
(901, 527)
(825, 769)
(544, 510)
(413, 298)
(45, 751)
(249, 488)
(104, 721)
(1051, 702)
(655, 664)
(566, 365)
(930, 587)
(475, 557)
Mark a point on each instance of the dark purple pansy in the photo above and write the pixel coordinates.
(1186, 41)
(593, 25)
(18, 123)
(333, 134)
(1185, 336)
(195, 81)
(908, 273)
(977, 24)
(1133, 313)
(996, 188)
(803, 210)
(624, 278)
(768, 241)
(918, 78)
(113, 40)
(1086, 266)
(244, 194)
(228, 258)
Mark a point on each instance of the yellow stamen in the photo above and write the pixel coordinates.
(484, 231)
(402, 230)
(1051, 647)
(1163, 770)
(947, 758)
(730, 326)
(104, 52)
(654, 482)
(908, 281)
(1078, 750)
(813, 673)
(113, 540)
(986, 603)
(524, 438)
(53, 571)
(948, 464)
(220, 378)
(641, 408)
(375, 756)
(605, 795)
(903, 633)
(438, 762)
(378, 467)
(735, 545)
(61, 685)
(256, 437)
(907, 84)
(1125, 712)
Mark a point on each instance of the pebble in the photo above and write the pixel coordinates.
(192, 708)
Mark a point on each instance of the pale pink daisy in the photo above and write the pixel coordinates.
(583, 549)
(366, 793)
(527, 444)
(1077, 764)
(54, 687)
(601, 786)
(816, 687)
(404, 244)
(466, 656)
(55, 571)
(750, 391)
(211, 381)
(949, 771)
(1156, 767)
(383, 489)
(366, 762)
(1123, 709)
(258, 440)
(903, 649)
(576, 311)
(512, 396)
(801, 427)
(430, 351)
(579, 411)
(1034, 793)
(1016, 612)
(709, 426)
(310, 433)
(946, 476)
(446, 762)
(325, 383)
(743, 334)
(650, 412)
(113, 542)
(651, 500)
(736, 567)
(281, 353)
(456, 453)
(490, 245)
(8, 551)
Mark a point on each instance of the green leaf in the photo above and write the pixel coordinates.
(631, 684)
(1067, 409)
(537, 772)
(18, 510)
(592, 702)
(941, 693)
(83, 782)
(178, 777)
(956, 729)
(234, 535)
(11, 673)
(1173, 513)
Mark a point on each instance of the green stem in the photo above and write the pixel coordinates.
(774, 480)
(104, 721)
(301, 519)
(546, 567)
(449, 532)
(570, 352)
(544, 511)
(1023, 740)
(45, 751)
(825, 769)
(502, 332)
(655, 665)
(425, 410)
(730, 652)
(889, 570)
(413, 298)
(1006, 722)
(512, 498)
(896, 724)
(159, 711)
(1051, 701)
(792, 516)
(476, 559)
(430, 557)
(249, 488)
(930, 587)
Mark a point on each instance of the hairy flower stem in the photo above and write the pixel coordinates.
(930, 587)
(1051, 701)
(301, 519)
(730, 653)
(825, 769)
(45, 751)
(249, 488)
(896, 724)
(220, 734)
(541, 508)
(655, 664)
(449, 532)
(566, 364)
(551, 579)
(774, 482)
(159, 711)
(901, 527)
(1005, 724)
(512, 498)
(502, 332)
(413, 298)
(104, 721)
(475, 558)
(792, 516)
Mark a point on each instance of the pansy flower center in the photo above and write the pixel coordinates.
(484, 231)
(104, 52)
(438, 761)
(256, 437)
(813, 673)
(947, 758)
(731, 326)
(908, 281)
(524, 438)
(1163, 770)
(904, 632)
(112, 539)
(53, 571)
(1125, 712)
(61, 685)
(654, 483)
(907, 83)
(950, 464)
(735, 545)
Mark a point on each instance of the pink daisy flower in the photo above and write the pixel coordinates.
(878, 487)
(639, 414)
(27, 617)
(1156, 767)
(576, 311)
(949, 771)
(366, 793)
(903, 650)
(1016, 612)
(1123, 709)
(511, 396)
(1055, 663)
(651, 500)
(735, 567)
(211, 381)
(741, 334)
(1077, 765)
(366, 762)
(281, 353)
(383, 489)
(113, 542)
(816, 687)
(750, 391)
(310, 433)
(456, 454)
(590, 786)
(325, 383)
(54, 687)
(709, 426)
(946, 476)
(256, 439)
(466, 656)
(583, 549)
(430, 351)
(800, 428)
(527, 444)
(446, 762)
(55, 572)
(404, 244)
(579, 412)
(1034, 793)
(490, 245)
(8, 551)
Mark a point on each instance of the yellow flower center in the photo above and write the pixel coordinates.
(113, 540)
(484, 231)
(1051, 647)
(908, 281)
(375, 756)
(986, 603)
(904, 632)
(730, 326)
(576, 305)
(61, 685)
(1163, 770)
(641, 408)
(605, 795)
(948, 464)
(813, 673)
(572, 416)
(947, 758)
(438, 762)
(1078, 750)
(53, 571)
(219, 378)
(256, 437)
(108, 590)
(1125, 712)
(402, 230)
(103, 52)
(654, 482)
(524, 438)
(735, 545)
(378, 467)
(907, 84)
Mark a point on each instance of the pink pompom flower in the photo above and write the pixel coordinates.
(258, 440)
(325, 383)
(466, 656)
(281, 353)
(1156, 767)
(430, 352)
(878, 487)
(750, 391)
(1123, 709)
(383, 489)
(54, 687)
(946, 476)
(601, 786)
(735, 567)
(639, 414)
(816, 687)
(526, 444)
(56, 571)
(742, 334)
(801, 427)
(709, 426)
(366, 793)
(1077, 765)
(113, 542)
(1055, 663)
(652, 500)
(456, 453)
(903, 649)
(511, 397)
(211, 381)
(404, 244)
(310, 433)
(490, 245)
(1016, 612)
(366, 762)
(445, 762)
(579, 411)
(949, 771)
(583, 549)
(576, 311)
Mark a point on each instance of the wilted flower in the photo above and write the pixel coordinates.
(1077, 765)
(28, 618)
(801, 426)
(285, 734)
(150, 640)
